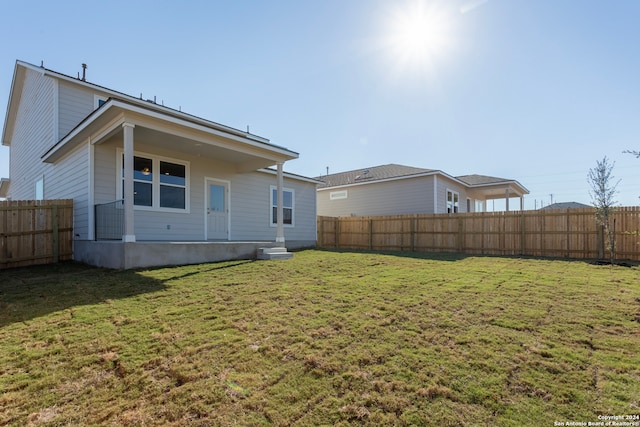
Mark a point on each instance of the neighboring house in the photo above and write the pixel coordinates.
(398, 190)
(566, 205)
(187, 189)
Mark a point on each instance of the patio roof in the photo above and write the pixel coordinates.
(166, 129)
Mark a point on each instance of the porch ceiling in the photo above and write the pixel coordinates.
(498, 191)
(175, 132)
(192, 147)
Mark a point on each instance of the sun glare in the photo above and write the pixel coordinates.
(419, 34)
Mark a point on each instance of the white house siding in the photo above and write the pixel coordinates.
(394, 197)
(68, 179)
(251, 207)
(444, 184)
(249, 200)
(33, 135)
(104, 169)
(75, 103)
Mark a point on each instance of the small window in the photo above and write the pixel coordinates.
(39, 189)
(99, 101)
(287, 206)
(453, 201)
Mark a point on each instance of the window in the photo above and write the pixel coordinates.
(39, 188)
(157, 183)
(172, 185)
(98, 101)
(142, 181)
(288, 197)
(453, 201)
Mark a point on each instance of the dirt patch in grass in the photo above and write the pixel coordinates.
(325, 338)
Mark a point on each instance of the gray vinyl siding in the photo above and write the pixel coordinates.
(104, 173)
(69, 179)
(33, 134)
(395, 197)
(251, 208)
(249, 201)
(445, 184)
(75, 104)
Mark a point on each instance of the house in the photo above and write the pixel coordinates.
(565, 205)
(151, 185)
(397, 190)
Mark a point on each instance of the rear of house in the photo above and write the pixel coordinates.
(159, 174)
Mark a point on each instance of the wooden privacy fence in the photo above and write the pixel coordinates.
(35, 232)
(568, 233)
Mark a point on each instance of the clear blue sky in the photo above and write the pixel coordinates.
(533, 90)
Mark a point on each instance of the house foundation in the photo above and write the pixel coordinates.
(129, 255)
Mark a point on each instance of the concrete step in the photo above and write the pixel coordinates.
(274, 253)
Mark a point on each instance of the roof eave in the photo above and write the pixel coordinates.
(12, 102)
(62, 146)
(499, 184)
(395, 178)
(4, 187)
(292, 176)
(144, 103)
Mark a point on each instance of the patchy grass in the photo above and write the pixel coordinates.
(326, 338)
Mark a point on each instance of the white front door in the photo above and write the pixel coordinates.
(217, 210)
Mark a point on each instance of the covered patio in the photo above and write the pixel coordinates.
(487, 188)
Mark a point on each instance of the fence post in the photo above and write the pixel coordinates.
(370, 234)
(336, 232)
(523, 238)
(460, 234)
(413, 234)
(56, 228)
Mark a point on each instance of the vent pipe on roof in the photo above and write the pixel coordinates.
(84, 72)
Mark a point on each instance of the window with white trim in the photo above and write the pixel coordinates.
(98, 101)
(453, 202)
(158, 183)
(288, 206)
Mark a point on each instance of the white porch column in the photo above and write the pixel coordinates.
(129, 233)
(506, 195)
(280, 210)
(521, 203)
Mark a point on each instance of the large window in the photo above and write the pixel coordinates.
(288, 206)
(453, 202)
(157, 183)
(173, 182)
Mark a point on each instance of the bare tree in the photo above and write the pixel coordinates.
(603, 191)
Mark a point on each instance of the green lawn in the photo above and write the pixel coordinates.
(326, 338)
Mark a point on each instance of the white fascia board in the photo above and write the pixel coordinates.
(4, 187)
(12, 95)
(292, 176)
(501, 183)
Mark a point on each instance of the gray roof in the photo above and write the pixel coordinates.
(481, 179)
(375, 173)
(566, 205)
(392, 170)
